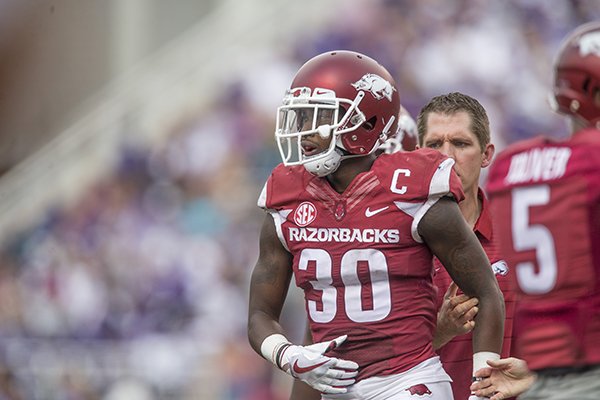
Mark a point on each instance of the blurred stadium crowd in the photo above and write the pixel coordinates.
(139, 290)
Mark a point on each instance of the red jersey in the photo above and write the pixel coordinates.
(359, 259)
(457, 354)
(545, 197)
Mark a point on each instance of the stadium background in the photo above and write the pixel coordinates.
(135, 137)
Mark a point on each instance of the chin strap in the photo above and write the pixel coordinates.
(325, 166)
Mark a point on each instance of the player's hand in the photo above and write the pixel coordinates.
(325, 374)
(507, 377)
(455, 316)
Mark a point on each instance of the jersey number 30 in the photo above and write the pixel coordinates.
(378, 272)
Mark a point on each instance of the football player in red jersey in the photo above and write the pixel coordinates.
(405, 139)
(445, 125)
(546, 197)
(358, 233)
(457, 125)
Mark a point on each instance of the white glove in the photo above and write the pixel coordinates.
(309, 364)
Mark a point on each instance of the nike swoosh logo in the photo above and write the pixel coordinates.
(369, 213)
(301, 370)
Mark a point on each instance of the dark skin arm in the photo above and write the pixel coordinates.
(452, 241)
(268, 286)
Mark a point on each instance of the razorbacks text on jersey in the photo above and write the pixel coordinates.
(359, 259)
(545, 197)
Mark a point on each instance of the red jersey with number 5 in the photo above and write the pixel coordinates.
(359, 259)
(545, 198)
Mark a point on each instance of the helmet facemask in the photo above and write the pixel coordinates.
(304, 113)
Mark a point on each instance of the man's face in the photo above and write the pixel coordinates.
(451, 135)
(315, 144)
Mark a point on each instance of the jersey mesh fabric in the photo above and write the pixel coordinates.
(545, 199)
(356, 260)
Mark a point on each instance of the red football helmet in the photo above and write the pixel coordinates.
(577, 74)
(346, 95)
(406, 137)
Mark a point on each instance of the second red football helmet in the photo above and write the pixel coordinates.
(345, 94)
(577, 74)
(406, 136)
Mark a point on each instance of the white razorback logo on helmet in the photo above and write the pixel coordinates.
(375, 84)
(500, 268)
(589, 44)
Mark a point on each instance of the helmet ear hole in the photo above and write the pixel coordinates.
(586, 84)
(369, 125)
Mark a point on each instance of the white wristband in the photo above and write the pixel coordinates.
(480, 359)
(271, 344)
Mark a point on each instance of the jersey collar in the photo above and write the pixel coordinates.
(483, 226)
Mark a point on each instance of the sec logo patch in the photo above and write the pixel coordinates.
(305, 213)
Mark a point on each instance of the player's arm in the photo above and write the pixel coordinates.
(451, 240)
(268, 286)
(268, 289)
(301, 390)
